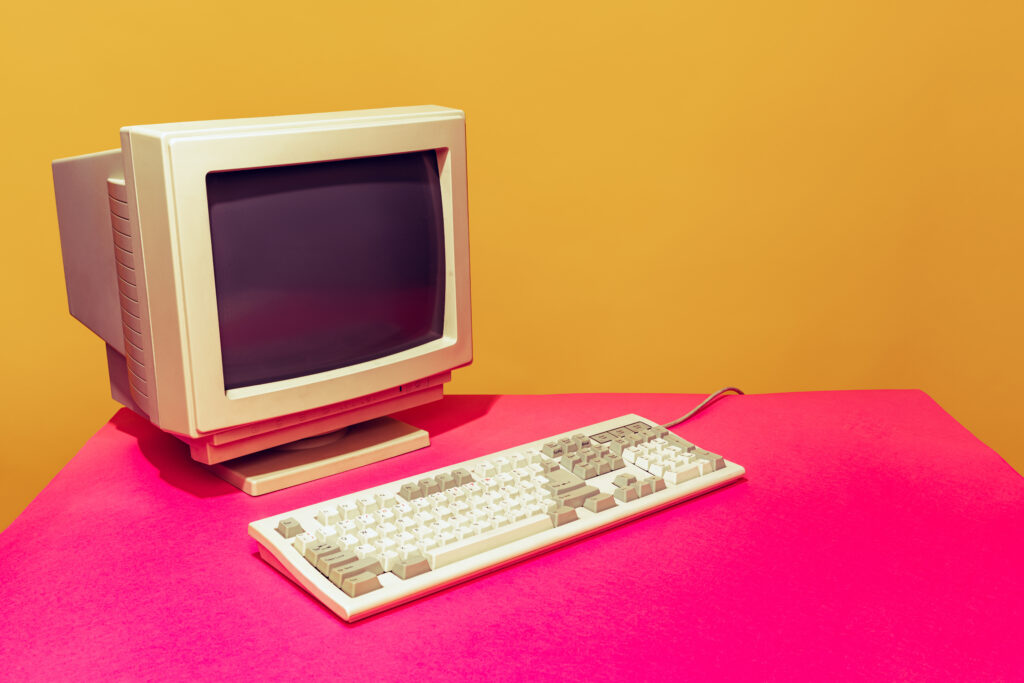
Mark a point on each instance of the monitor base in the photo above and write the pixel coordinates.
(361, 444)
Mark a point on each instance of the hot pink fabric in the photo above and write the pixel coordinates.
(872, 538)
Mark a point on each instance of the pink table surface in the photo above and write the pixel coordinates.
(873, 537)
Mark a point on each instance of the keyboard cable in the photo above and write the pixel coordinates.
(703, 404)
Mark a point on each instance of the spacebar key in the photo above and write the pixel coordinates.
(460, 550)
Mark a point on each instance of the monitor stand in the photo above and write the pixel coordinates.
(321, 456)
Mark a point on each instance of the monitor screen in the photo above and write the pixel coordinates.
(325, 265)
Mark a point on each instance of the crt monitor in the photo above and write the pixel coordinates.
(271, 289)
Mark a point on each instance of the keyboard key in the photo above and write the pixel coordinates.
(360, 584)
(627, 494)
(328, 563)
(411, 566)
(486, 540)
(563, 515)
(289, 527)
(600, 502)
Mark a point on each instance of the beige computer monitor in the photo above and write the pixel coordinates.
(136, 240)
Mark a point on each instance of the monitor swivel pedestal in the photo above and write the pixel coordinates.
(321, 456)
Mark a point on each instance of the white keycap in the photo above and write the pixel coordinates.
(348, 510)
(305, 540)
(365, 551)
(327, 516)
(388, 559)
(407, 549)
(347, 541)
(468, 547)
(366, 535)
(424, 517)
(326, 534)
(681, 474)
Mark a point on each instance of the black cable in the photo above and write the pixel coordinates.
(702, 405)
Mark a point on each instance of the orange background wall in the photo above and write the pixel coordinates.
(664, 196)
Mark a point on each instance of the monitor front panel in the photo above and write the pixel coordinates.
(294, 263)
(326, 265)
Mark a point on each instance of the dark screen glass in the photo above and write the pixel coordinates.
(320, 266)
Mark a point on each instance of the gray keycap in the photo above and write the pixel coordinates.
(289, 527)
(624, 480)
(616, 462)
(581, 440)
(646, 486)
(462, 476)
(428, 485)
(410, 491)
(569, 462)
(445, 481)
(602, 465)
(360, 584)
(600, 502)
(568, 445)
(627, 493)
(575, 498)
(339, 574)
(326, 563)
(412, 566)
(563, 515)
(659, 484)
(659, 433)
(552, 449)
(717, 461)
(585, 471)
(561, 481)
(619, 445)
(315, 552)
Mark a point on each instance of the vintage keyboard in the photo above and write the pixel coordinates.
(365, 552)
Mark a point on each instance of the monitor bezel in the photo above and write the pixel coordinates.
(187, 363)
